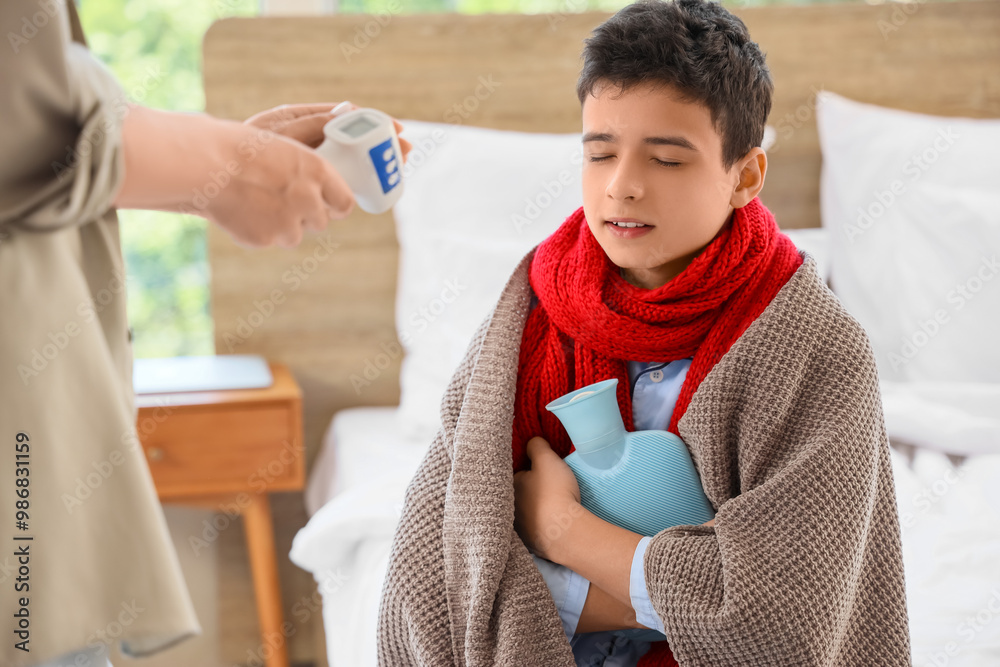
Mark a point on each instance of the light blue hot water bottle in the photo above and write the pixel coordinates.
(644, 481)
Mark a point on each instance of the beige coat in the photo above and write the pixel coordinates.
(100, 565)
(803, 566)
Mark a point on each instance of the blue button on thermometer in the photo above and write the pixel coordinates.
(363, 146)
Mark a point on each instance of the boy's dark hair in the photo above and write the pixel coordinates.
(695, 46)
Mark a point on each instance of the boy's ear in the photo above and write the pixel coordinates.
(750, 174)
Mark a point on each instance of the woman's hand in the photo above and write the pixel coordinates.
(260, 180)
(304, 122)
(280, 190)
(546, 499)
(261, 186)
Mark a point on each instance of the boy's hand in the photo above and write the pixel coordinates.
(546, 499)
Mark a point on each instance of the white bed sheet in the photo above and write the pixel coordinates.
(359, 445)
(354, 496)
(950, 520)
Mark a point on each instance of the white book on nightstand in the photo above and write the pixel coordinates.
(205, 373)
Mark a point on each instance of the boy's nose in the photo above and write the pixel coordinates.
(624, 183)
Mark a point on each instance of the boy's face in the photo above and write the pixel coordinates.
(652, 158)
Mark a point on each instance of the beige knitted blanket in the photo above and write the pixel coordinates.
(802, 567)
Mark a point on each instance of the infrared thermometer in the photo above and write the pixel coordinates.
(362, 145)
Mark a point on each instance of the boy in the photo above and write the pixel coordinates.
(673, 146)
(674, 278)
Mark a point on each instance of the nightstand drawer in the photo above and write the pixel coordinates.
(201, 450)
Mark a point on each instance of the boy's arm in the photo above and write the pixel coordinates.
(602, 553)
(599, 551)
(602, 611)
(554, 525)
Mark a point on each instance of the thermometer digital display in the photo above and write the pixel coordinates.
(362, 145)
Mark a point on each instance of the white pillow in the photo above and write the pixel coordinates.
(912, 204)
(816, 242)
(770, 136)
(476, 201)
(961, 418)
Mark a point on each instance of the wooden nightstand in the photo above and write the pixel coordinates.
(229, 449)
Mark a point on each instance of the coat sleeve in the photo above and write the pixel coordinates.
(62, 112)
(804, 563)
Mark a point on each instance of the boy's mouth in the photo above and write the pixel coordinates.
(627, 228)
(628, 222)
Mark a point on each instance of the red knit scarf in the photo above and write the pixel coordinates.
(590, 322)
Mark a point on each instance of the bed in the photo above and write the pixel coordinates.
(374, 331)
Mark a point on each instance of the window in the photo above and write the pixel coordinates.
(154, 48)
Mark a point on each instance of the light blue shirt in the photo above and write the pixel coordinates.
(655, 387)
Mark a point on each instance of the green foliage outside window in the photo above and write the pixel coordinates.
(154, 47)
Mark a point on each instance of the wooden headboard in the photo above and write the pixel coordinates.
(328, 312)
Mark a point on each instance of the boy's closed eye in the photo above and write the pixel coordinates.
(665, 163)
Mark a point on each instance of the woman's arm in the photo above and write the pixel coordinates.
(261, 186)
